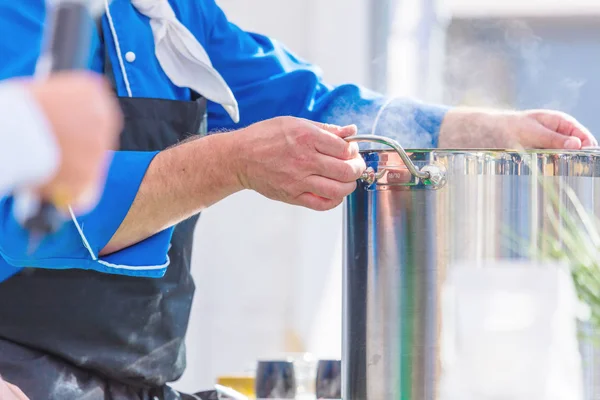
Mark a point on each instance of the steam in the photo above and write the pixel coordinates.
(405, 120)
(485, 62)
(567, 96)
(520, 38)
(488, 64)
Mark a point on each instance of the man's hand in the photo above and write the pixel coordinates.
(541, 129)
(86, 120)
(299, 162)
(287, 159)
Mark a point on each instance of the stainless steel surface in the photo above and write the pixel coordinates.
(401, 236)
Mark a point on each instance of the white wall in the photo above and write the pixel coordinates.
(521, 8)
(268, 275)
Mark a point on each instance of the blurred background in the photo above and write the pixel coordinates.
(268, 275)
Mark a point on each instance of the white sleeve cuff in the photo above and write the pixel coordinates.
(29, 154)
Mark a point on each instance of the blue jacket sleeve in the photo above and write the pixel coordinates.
(78, 242)
(268, 80)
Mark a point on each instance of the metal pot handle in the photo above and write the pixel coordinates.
(428, 173)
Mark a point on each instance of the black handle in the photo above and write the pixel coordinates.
(69, 47)
(47, 220)
(70, 37)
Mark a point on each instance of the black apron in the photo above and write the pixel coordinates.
(75, 334)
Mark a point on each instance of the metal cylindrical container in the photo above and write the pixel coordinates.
(402, 233)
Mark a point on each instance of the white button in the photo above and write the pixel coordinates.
(130, 56)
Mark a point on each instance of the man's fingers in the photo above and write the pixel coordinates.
(570, 127)
(346, 131)
(340, 131)
(547, 139)
(331, 145)
(341, 171)
(314, 202)
(328, 188)
(552, 140)
(564, 124)
(329, 140)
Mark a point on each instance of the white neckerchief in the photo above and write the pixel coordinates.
(183, 58)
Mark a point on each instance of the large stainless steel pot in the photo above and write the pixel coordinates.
(405, 225)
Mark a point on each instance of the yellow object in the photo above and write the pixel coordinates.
(242, 384)
(61, 198)
(293, 342)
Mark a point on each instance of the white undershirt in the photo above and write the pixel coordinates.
(29, 154)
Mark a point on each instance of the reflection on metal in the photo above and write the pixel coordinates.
(401, 235)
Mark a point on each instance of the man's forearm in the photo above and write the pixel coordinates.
(179, 183)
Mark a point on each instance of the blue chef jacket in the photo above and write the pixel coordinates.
(266, 78)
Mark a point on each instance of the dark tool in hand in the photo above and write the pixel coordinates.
(70, 24)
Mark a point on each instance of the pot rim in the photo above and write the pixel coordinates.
(585, 151)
